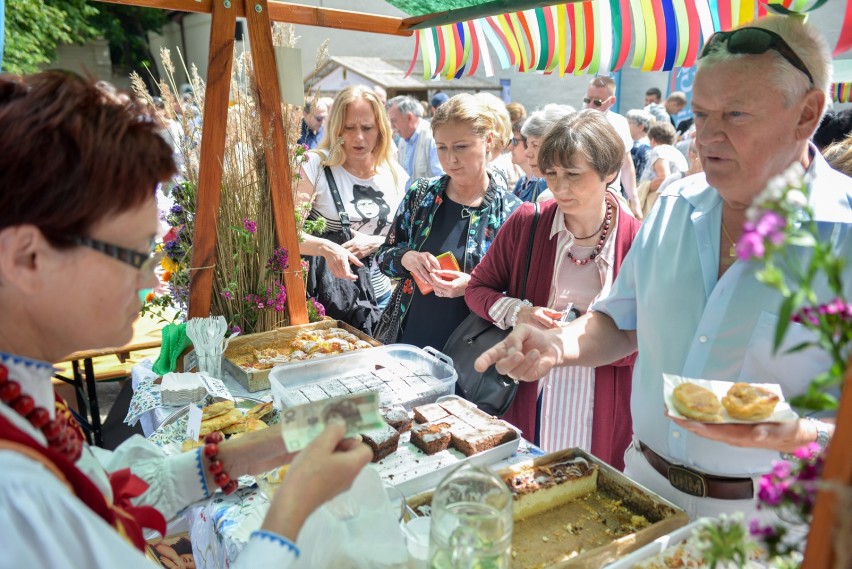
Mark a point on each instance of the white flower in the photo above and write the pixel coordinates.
(793, 175)
(796, 199)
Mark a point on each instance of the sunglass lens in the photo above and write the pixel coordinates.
(749, 40)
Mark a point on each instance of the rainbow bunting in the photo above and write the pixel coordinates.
(595, 36)
(841, 92)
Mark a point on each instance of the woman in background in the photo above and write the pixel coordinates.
(581, 238)
(459, 212)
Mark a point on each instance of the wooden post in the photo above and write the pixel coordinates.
(277, 152)
(220, 61)
(820, 552)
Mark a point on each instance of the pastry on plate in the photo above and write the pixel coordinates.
(217, 409)
(697, 403)
(220, 422)
(748, 402)
(260, 410)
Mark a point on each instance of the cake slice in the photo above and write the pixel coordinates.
(398, 418)
(470, 440)
(383, 441)
(429, 413)
(431, 438)
(536, 489)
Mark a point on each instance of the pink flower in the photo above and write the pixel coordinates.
(750, 246)
(771, 225)
(250, 225)
(226, 294)
(236, 330)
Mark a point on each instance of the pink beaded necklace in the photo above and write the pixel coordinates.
(605, 225)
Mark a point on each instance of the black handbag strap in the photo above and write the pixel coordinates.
(338, 203)
(536, 215)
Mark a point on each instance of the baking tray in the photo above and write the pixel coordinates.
(413, 471)
(427, 375)
(586, 533)
(259, 380)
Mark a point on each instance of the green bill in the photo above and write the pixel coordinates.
(302, 424)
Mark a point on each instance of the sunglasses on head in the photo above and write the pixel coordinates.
(596, 102)
(756, 41)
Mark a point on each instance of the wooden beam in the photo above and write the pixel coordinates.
(288, 13)
(220, 61)
(820, 552)
(277, 152)
(493, 8)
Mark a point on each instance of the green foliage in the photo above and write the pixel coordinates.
(34, 28)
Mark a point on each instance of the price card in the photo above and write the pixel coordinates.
(190, 361)
(215, 387)
(193, 425)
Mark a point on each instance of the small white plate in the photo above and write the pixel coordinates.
(783, 413)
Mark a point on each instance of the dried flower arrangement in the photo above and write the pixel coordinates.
(248, 287)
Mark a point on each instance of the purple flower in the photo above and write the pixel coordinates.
(318, 307)
(250, 225)
(807, 452)
(757, 530)
(770, 493)
(176, 209)
(226, 294)
(279, 261)
(781, 469)
(236, 330)
(750, 246)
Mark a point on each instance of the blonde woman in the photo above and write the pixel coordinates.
(356, 155)
(459, 212)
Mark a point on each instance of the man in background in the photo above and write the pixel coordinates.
(313, 118)
(600, 96)
(653, 96)
(417, 153)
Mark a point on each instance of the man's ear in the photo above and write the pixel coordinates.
(21, 251)
(811, 113)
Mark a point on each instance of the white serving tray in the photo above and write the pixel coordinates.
(412, 471)
(783, 413)
(654, 548)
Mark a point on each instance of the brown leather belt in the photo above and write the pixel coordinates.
(697, 483)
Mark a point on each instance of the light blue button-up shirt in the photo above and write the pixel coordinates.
(689, 322)
(434, 165)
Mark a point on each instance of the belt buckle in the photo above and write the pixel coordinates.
(687, 480)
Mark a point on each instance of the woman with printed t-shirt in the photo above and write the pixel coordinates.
(356, 154)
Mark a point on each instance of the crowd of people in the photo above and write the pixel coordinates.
(630, 277)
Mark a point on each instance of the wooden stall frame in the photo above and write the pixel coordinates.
(820, 553)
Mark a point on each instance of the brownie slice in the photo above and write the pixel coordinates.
(398, 418)
(431, 437)
(383, 441)
(472, 440)
(429, 413)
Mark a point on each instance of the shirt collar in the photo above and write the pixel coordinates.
(607, 254)
(34, 377)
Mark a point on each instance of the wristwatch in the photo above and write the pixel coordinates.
(822, 433)
(821, 440)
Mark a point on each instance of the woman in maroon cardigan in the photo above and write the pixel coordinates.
(582, 236)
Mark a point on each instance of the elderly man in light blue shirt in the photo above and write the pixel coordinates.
(689, 305)
(417, 153)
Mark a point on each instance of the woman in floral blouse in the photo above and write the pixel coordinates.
(459, 212)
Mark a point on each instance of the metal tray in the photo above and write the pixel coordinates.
(241, 403)
(412, 471)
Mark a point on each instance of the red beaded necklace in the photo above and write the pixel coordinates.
(607, 221)
(61, 437)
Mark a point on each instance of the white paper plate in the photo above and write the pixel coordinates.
(782, 414)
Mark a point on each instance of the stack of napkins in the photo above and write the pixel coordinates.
(179, 389)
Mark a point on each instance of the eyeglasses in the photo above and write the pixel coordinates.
(516, 141)
(145, 262)
(756, 41)
(596, 102)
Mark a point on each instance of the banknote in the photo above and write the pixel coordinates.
(303, 423)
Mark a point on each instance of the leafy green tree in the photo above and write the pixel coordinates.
(35, 27)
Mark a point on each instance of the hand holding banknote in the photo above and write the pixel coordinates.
(302, 424)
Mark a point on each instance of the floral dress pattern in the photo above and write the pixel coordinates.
(412, 224)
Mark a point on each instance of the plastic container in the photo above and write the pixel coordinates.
(402, 374)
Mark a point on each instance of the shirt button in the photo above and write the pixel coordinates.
(676, 434)
(702, 339)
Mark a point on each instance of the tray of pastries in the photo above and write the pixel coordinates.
(573, 510)
(249, 359)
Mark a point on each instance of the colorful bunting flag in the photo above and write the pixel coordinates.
(841, 92)
(595, 36)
